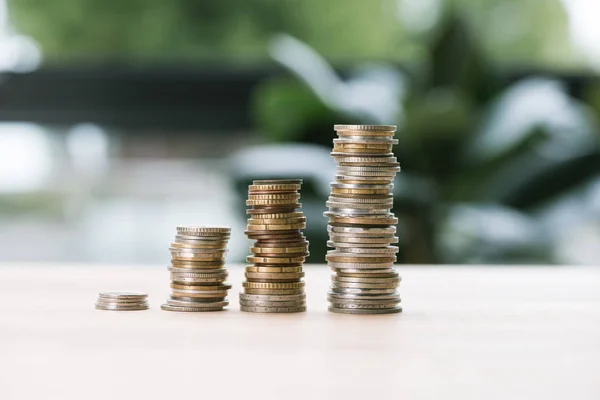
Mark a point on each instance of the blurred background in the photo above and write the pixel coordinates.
(120, 120)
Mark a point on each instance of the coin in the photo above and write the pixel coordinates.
(272, 298)
(198, 299)
(387, 281)
(277, 286)
(274, 260)
(356, 297)
(361, 265)
(204, 230)
(196, 304)
(252, 268)
(362, 231)
(277, 182)
(220, 287)
(365, 311)
(388, 219)
(274, 276)
(278, 221)
(367, 128)
(363, 291)
(368, 274)
(276, 216)
(274, 187)
(107, 307)
(270, 304)
(362, 285)
(273, 309)
(278, 250)
(363, 240)
(168, 307)
(280, 292)
(273, 227)
(198, 293)
(123, 295)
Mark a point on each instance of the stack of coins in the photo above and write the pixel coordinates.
(274, 281)
(361, 225)
(198, 270)
(122, 301)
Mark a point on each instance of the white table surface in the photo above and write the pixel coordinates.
(466, 333)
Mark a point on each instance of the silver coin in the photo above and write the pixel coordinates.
(123, 302)
(200, 275)
(358, 186)
(363, 291)
(374, 272)
(273, 298)
(374, 251)
(123, 295)
(347, 296)
(200, 239)
(366, 140)
(363, 161)
(362, 230)
(343, 246)
(363, 285)
(362, 266)
(197, 250)
(202, 271)
(362, 305)
(368, 180)
(197, 281)
(107, 307)
(365, 311)
(168, 307)
(374, 199)
(388, 169)
(180, 303)
(215, 299)
(273, 309)
(363, 240)
(392, 280)
(259, 303)
(359, 206)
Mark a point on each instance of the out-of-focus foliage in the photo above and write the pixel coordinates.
(489, 165)
(526, 32)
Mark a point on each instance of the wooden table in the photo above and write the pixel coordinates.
(466, 333)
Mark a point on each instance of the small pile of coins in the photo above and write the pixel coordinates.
(198, 270)
(274, 281)
(361, 226)
(122, 301)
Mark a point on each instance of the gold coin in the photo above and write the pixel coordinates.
(274, 196)
(274, 292)
(276, 221)
(252, 268)
(274, 260)
(203, 230)
(221, 287)
(282, 250)
(278, 216)
(291, 203)
(274, 275)
(277, 286)
(273, 227)
(275, 187)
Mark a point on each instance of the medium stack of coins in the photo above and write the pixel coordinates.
(122, 301)
(198, 270)
(361, 225)
(274, 281)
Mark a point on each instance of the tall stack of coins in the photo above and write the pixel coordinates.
(361, 225)
(274, 281)
(122, 301)
(198, 270)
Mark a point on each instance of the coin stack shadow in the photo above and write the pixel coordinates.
(198, 270)
(361, 225)
(274, 281)
(122, 301)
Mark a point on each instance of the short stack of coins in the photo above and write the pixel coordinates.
(274, 281)
(122, 301)
(198, 273)
(361, 225)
